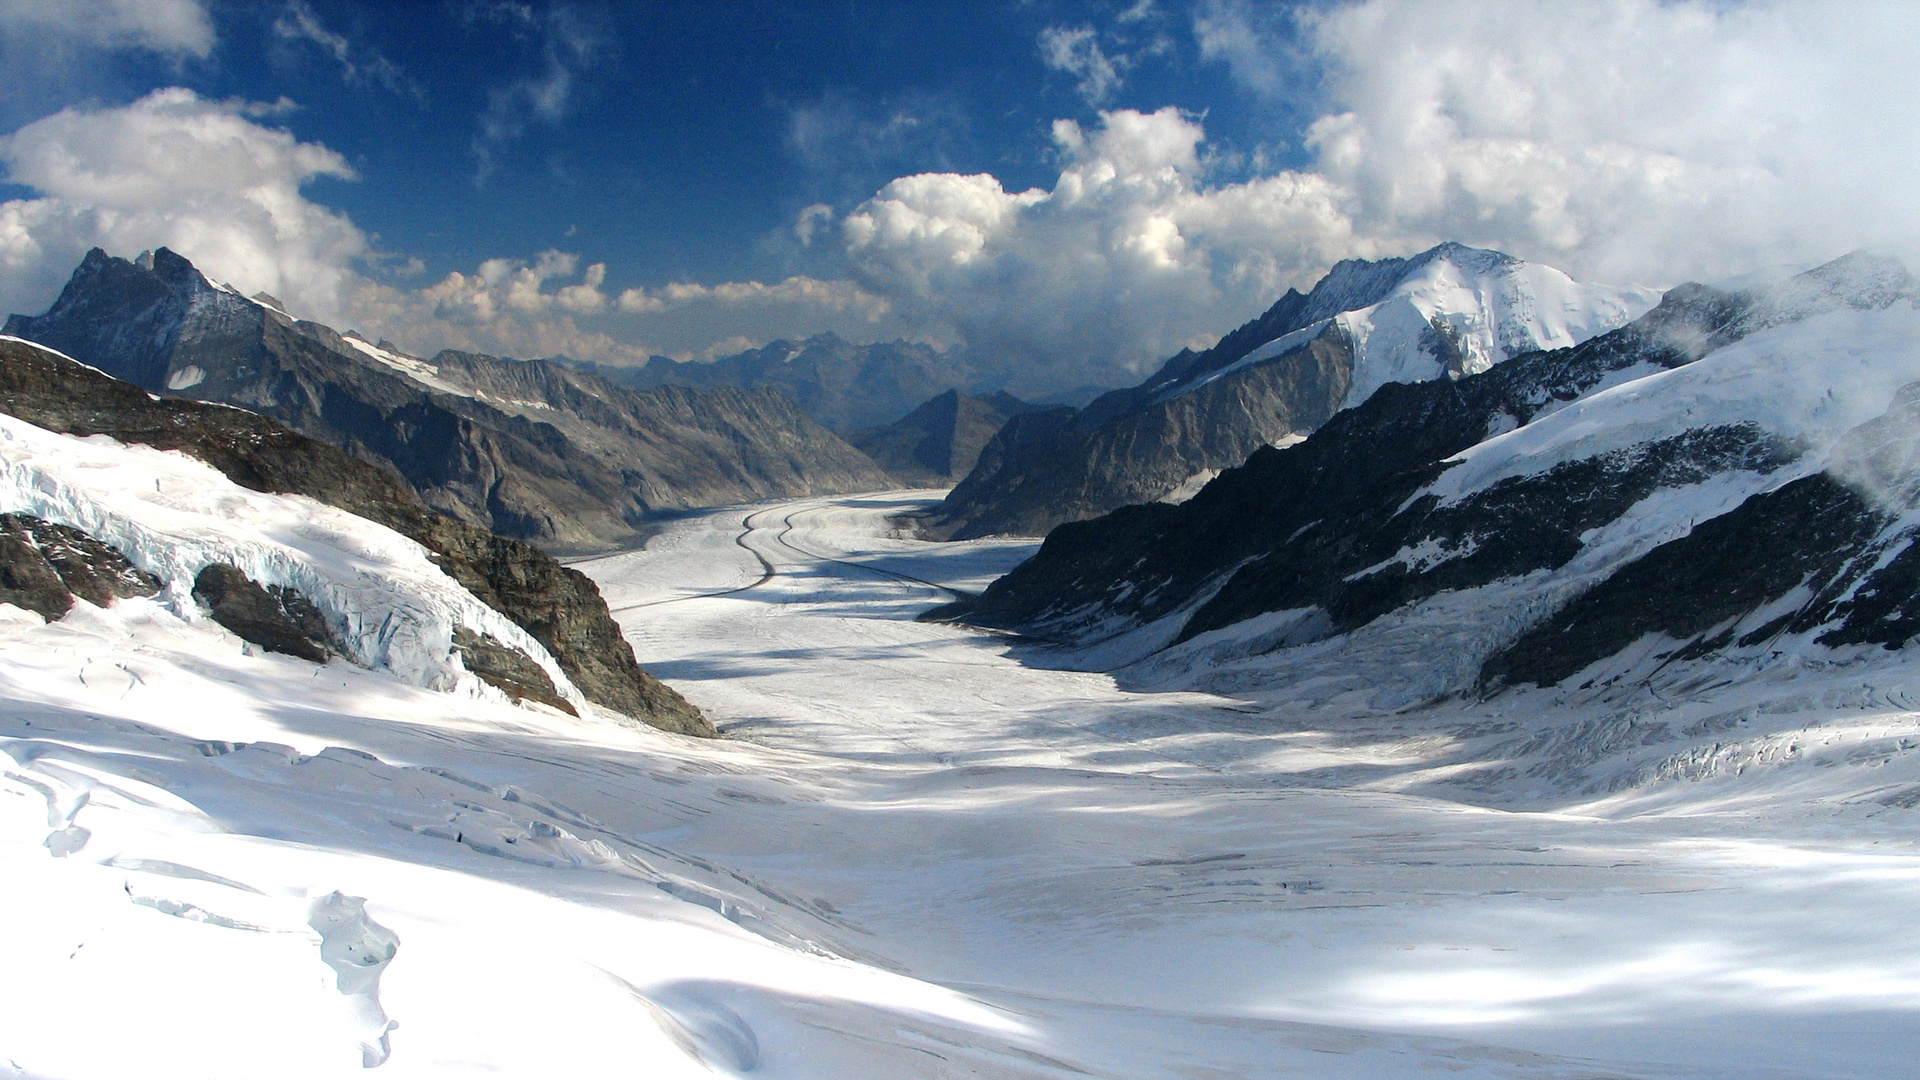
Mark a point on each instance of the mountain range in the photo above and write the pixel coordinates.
(835, 382)
(1445, 314)
(1731, 479)
(939, 442)
(526, 449)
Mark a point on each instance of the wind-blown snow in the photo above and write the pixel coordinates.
(172, 516)
(1490, 306)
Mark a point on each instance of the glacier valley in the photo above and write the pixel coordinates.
(922, 852)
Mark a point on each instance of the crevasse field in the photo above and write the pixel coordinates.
(923, 853)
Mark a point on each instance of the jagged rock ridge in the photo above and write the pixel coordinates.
(525, 449)
(1447, 313)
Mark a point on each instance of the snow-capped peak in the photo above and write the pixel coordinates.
(1450, 311)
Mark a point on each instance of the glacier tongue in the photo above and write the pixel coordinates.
(390, 606)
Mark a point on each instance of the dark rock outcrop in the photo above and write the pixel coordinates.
(1840, 549)
(508, 670)
(1062, 465)
(44, 566)
(940, 441)
(276, 618)
(525, 449)
(559, 606)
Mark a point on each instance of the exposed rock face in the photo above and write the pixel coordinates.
(1841, 548)
(508, 670)
(1618, 516)
(1444, 314)
(940, 441)
(525, 449)
(276, 618)
(842, 385)
(560, 607)
(43, 566)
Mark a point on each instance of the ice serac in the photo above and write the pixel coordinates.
(940, 441)
(507, 589)
(1447, 313)
(526, 449)
(1731, 471)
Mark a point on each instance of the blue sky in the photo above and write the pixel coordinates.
(678, 136)
(1071, 189)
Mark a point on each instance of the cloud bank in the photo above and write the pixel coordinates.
(1626, 140)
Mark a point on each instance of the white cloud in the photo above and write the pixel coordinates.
(568, 45)
(839, 296)
(358, 64)
(514, 308)
(174, 169)
(1076, 51)
(811, 219)
(169, 27)
(1627, 139)
(1129, 257)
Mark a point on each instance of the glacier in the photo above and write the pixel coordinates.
(917, 856)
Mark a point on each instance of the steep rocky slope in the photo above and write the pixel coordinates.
(1447, 313)
(1733, 471)
(556, 606)
(940, 441)
(525, 449)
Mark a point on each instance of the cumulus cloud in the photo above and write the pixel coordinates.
(1130, 256)
(516, 308)
(204, 177)
(168, 27)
